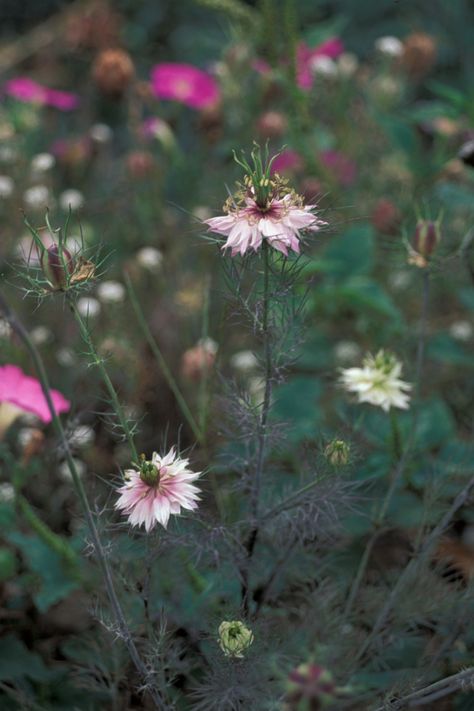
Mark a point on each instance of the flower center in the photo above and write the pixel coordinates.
(149, 472)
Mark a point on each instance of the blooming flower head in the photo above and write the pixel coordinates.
(264, 208)
(20, 393)
(156, 489)
(378, 382)
(29, 91)
(185, 83)
(234, 638)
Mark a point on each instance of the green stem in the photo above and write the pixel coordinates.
(99, 362)
(203, 390)
(122, 625)
(396, 437)
(168, 376)
(262, 429)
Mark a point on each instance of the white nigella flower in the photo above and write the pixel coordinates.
(5, 328)
(71, 199)
(101, 133)
(390, 46)
(7, 492)
(82, 436)
(66, 357)
(65, 473)
(41, 335)
(36, 197)
(461, 330)
(346, 351)
(149, 258)
(324, 66)
(347, 64)
(378, 382)
(7, 186)
(88, 306)
(244, 361)
(111, 292)
(42, 162)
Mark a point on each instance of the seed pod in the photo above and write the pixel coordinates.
(427, 237)
(57, 264)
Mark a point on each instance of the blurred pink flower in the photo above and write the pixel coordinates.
(24, 392)
(159, 488)
(305, 55)
(185, 83)
(343, 168)
(279, 222)
(287, 161)
(28, 90)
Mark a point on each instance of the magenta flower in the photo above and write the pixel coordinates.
(279, 222)
(186, 84)
(29, 91)
(287, 161)
(156, 490)
(25, 393)
(343, 168)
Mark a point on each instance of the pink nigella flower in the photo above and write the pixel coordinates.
(159, 488)
(185, 83)
(28, 90)
(279, 222)
(25, 393)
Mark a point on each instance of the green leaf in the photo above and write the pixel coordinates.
(17, 662)
(435, 424)
(446, 349)
(297, 402)
(55, 581)
(466, 297)
(351, 253)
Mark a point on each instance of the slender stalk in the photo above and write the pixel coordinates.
(262, 428)
(409, 570)
(422, 697)
(402, 454)
(122, 625)
(203, 390)
(99, 362)
(167, 374)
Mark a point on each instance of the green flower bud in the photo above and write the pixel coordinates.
(234, 638)
(337, 453)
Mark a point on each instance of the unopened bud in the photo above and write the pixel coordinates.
(234, 638)
(57, 264)
(427, 237)
(337, 453)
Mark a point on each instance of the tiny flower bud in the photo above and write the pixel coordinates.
(337, 453)
(427, 237)
(234, 638)
(57, 264)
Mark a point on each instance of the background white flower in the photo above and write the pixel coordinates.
(378, 382)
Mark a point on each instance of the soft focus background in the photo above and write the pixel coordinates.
(372, 105)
